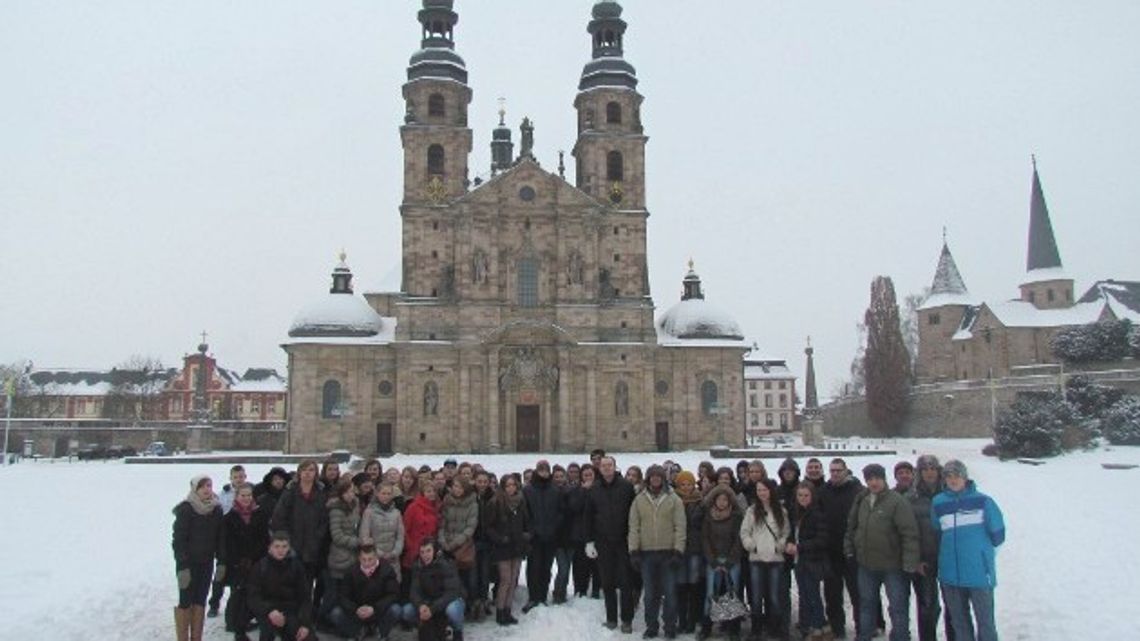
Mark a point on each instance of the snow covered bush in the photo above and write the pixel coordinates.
(1121, 423)
(1095, 342)
(1034, 426)
(1091, 400)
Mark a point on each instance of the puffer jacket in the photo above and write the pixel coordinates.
(972, 528)
(421, 521)
(344, 526)
(460, 519)
(546, 504)
(435, 585)
(657, 522)
(306, 519)
(882, 536)
(384, 525)
(809, 533)
(197, 539)
(720, 537)
(508, 529)
(921, 496)
(764, 540)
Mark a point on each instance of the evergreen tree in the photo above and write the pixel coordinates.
(886, 363)
(1121, 423)
(1034, 426)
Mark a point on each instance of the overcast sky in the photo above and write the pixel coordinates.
(169, 167)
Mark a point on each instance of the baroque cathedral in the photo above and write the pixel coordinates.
(524, 320)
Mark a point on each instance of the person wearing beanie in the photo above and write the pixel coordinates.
(546, 504)
(657, 541)
(268, 491)
(199, 547)
(904, 477)
(924, 583)
(972, 528)
(882, 539)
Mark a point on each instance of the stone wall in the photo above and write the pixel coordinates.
(54, 441)
(959, 409)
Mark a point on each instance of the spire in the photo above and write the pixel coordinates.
(607, 68)
(341, 276)
(947, 279)
(502, 148)
(811, 399)
(692, 284)
(1043, 253)
(436, 57)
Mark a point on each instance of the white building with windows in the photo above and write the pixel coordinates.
(769, 395)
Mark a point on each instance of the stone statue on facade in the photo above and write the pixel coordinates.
(431, 399)
(621, 399)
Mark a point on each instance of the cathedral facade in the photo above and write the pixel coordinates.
(524, 320)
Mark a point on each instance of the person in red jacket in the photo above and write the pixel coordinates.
(421, 521)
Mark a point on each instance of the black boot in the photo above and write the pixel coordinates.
(682, 606)
(456, 635)
(499, 618)
(508, 618)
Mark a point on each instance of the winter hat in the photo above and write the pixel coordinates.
(928, 460)
(198, 481)
(903, 465)
(275, 471)
(450, 462)
(684, 476)
(789, 464)
(655, 470)
(954, 467)
(360, 478)
(874, 471)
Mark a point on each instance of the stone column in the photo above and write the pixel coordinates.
(564, 438)
(492, 388)
(592, 407)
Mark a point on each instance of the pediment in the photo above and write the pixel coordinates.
(508, 188)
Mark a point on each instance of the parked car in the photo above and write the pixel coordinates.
(120, 451)
(156, 448)
(92, 452)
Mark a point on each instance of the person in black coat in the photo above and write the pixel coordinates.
(278, 594)
(247, 538)
(607, 532)
(545, 503)
(836, 497)
(268, 491)
(198, 542)
(367, 597)
(436, 595)
(302, 513)
(508, 530)
(809, 543)
(585, 568)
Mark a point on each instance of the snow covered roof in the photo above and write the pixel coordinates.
(1046, 274)
(1019, 313)
(261, 379)
(696, 318)
(98, 382)
(754, 372)
(338, 314)
(1123, 297)
(386, 336)
(940, 300)
(948, 287)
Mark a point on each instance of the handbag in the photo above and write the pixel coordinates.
(727, 607)
(464, 555)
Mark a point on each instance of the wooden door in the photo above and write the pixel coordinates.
(663, 436)
(526, 428)
(383, 438)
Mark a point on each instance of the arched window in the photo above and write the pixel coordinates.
(621, 399)
(613, 113)
(435, 160)
(528, 282)
(614, 169)
(435, 105)
(330, 399)
(708, 397)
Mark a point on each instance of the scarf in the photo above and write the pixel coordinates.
(718, 514)
(201, 507)
(692, 497)
(246, 513)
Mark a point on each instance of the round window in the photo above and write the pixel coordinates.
(662, 388)
(527, 193)
(385, 388)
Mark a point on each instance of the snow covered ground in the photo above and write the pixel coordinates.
(85, 547)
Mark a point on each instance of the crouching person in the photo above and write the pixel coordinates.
(367, 599)
(278, 593)
(436, 595)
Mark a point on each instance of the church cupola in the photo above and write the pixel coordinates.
(610, 149)
(341, 277)
(691, 285)
(435, 135)
(1046, 285)
(502, 148)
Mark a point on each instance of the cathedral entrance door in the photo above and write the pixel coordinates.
(663, 436)
(383, 438)
(526, 428)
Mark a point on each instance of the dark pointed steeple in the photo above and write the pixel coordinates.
(811, 398)
(1043, 253)
(436, 57)
(607, 68)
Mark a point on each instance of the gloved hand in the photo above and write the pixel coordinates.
(219, 573)
(184, 579)
(635, 561)
(591, 550)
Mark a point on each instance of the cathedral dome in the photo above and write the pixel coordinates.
(338, 313)
(696, 318)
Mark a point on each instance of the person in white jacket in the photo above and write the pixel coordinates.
(764, 535)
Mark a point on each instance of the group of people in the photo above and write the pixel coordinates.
(433, 549)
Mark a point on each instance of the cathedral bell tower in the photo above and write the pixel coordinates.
(435, 135)
(610, 149)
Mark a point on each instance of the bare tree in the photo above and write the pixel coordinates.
(136, 389)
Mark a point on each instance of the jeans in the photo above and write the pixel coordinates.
(898, 598)
(959, 601)
(348, 624)
(564, 556)
(538, 564)
(715, 582)
(766, 590)
(453, 613)
(329, 598)
(659, 578)
(692, 570)
(811, 604)
(927, 604)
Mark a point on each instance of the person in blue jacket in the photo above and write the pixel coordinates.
(971, 528)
